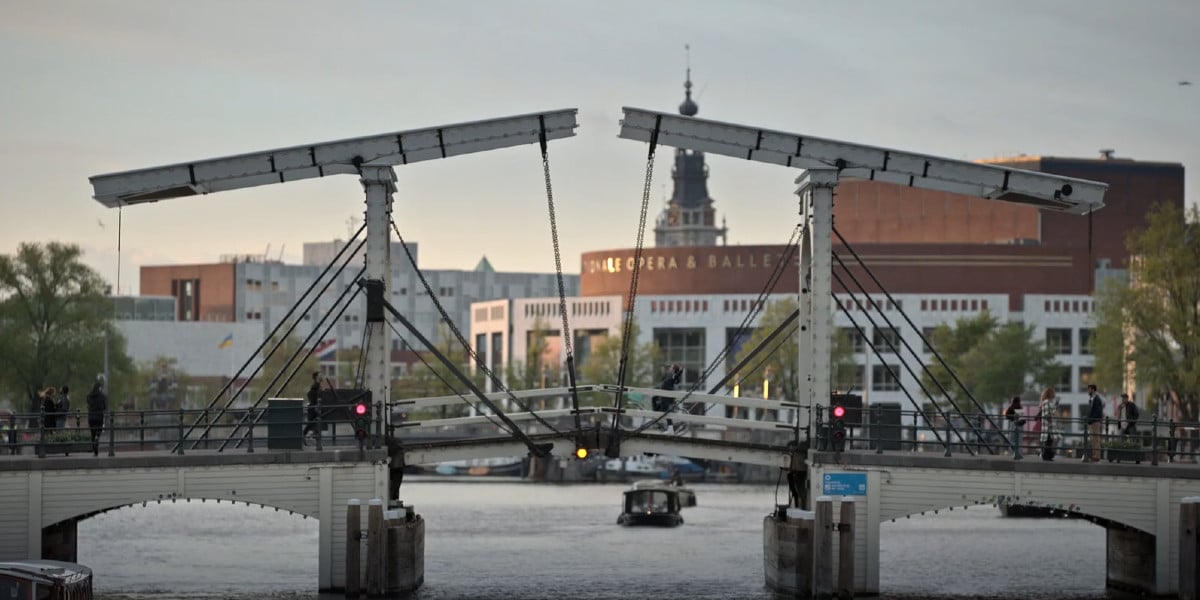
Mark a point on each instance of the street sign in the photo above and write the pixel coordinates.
(844, 484)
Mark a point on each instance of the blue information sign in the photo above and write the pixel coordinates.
(844, 484)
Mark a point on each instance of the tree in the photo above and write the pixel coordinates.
(56, 321)
(993, 361)
(1152, 323)
(433, 378)
(780, 361)
(604, 363)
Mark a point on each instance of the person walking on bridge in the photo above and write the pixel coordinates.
(1016, 423)
(314, 399)
(1094, 418)
(97, 405)
(671, 377)
(63, 408)
(1048, 411)
(49, 408)
(1131, 416)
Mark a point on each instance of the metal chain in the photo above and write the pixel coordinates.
(562, 293)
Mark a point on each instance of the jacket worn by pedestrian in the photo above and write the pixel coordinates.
(1095, 410)
(97, 405)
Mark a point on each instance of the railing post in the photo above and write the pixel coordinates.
(1154, 440)
(112, 433)
(204, 435)
(318, 431)
(1172, 442)
(877, 434)
(181, 431)
(250, 440)
(1087, 446)
(822, 438)
(41, 445)
(947, 437)
(915, 432)
(141, 430)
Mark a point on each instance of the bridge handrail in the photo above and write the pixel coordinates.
(701, 398)
(416, 403)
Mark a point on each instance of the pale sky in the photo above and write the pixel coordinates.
(93, 87)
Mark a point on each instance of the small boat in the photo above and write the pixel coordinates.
(45, 580)
(687, 497)
(655, 507)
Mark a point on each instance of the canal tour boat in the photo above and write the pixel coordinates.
(687, 497)
(652, 506)
(45, 580)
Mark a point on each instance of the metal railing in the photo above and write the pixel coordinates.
(1152, 441)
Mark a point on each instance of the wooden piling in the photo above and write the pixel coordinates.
(353, 531)
(1189, 548)
(823, 548)
(845, 578)
(392, 520)
(375, 548)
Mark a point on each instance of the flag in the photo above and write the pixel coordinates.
(326, 350)
(226, 343)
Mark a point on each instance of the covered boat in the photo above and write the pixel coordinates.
(656, 507)
(45, 580)
(687, 497)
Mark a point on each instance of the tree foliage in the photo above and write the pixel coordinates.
(991, 360)
(780, 361)
(1152, 323)
(433, 378)
(283, 364)
(604, 363)
(55, 319)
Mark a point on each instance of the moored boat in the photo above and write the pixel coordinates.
(45, 580)
(655, 507)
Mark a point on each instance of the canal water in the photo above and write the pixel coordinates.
(516, 540)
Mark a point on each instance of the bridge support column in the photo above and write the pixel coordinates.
(60, 541)
(1131, 557)
(379, 183)
(1189, 548)
(788, 552)
(816, 288)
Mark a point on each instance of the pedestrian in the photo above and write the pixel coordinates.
(8, 431)
(664, 404)
(49, 419)
(63, 407)
(314, 398)
(97, 405)
(1047, 411)
(1131, 413)
(1016, 423)
(1094, 419)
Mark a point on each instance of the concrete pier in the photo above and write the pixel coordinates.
(787, 552)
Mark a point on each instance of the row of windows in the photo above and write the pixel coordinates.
(883, 379)
(953, 304)
(740, 306)
(674, 306)
(870, 304)
(541, 309)
(1069, 306)
(590, 308)
(1061, 340)
(1058, 339)
(257, 285)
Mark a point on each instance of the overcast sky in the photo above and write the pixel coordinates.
(92, 87)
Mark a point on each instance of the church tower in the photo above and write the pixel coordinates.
(688, 219)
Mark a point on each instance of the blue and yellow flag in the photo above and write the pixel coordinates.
(226, 343)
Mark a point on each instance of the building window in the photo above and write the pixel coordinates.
(857, 342)
(883, 378)
(684, 347)
(1085, 341)
(1059, 340)
(1064, 381)
(927, 333)
(1086, 377)
(885, 335)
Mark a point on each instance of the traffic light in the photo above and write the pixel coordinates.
(837, 427)
(361, 419)
(581, 453)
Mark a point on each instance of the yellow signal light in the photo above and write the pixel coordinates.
(581, 453)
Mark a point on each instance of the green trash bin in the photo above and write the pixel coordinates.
(285, 424)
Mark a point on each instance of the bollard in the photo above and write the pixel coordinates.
(823, 548)
(845, 580)
(375, 546)
(353, 547)
(1189, 548)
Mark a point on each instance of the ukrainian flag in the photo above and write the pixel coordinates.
(226, 343)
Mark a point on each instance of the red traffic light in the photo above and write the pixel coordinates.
(839, 412)
(360, 409)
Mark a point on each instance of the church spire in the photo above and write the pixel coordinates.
(688, 108)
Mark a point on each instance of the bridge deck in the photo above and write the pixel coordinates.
(194, 458)
(1060, 466)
